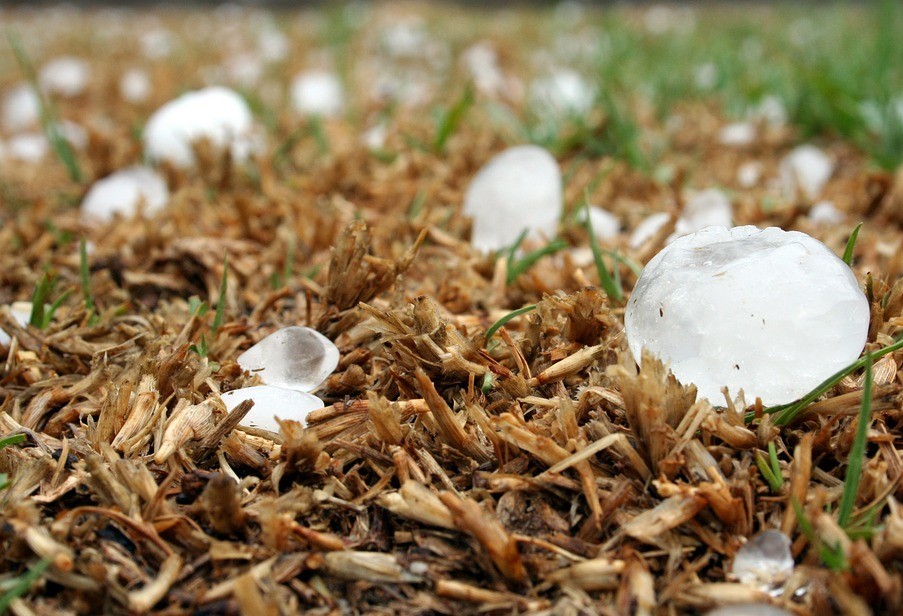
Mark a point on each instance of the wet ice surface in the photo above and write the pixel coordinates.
(298, 358)
(769, 311)
(765, 561)
(517, 189)
(271, 402)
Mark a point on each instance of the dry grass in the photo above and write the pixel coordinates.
(573, 484)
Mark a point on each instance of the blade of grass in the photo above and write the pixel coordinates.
(12, 439)
(221, 302)
(775, 464)
(511, 315)
(857, 451)
(86, 282)
(609, 285)
(851, 244)
(49, 118)
(450, 120)
(22, 583)
(773, 481)
(529, 259)
(39, 297)
(786, 413)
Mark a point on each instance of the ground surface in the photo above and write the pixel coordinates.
(532, 472)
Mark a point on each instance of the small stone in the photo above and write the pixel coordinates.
(805, 171)
(519, 189)
(123, 192)
(318, 93)
(216, 114)
(769, 311)
(271, 402)
(66, 76)
(765, 561)
(21, 312)
(298, 358)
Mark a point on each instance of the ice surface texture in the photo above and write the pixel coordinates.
(770, 311)
(298, 358)
(271, 402)
(765, 561)
(518, 189)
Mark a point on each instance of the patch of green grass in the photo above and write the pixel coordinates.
(611, 282)
(16, 587)
(50, 120)
(508, 317)
(41, 311)
(832, 556)
(770, 468)
(516, 267)
(851, 245)
(448, 120)
(84, 270)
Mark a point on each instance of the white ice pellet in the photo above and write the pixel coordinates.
(21, 108)
(647, 228)
(318, 93)
(271, 402)
(605, 225)
(737, 134)
(805, 171)
(135, 85)
(825, 213)
(765, 561)
(563, 92)
(749, 173)
(21, 312)
(66, 76)
(768, 311)
(706, 208)
(518, 189)
(216, 114)
(123, 192)
(295, 357)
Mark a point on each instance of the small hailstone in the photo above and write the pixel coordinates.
(737, 134)
(605, 225)
(805, 169)
(27, 147)
(563, 92)
(705, 208)
(21, 108)
(298, 358)
(374, 138)
(765, 561)
(122, 192)
(770, 109)
(705, 76)
(519, 189)
(156, 43)
(825, 213)
(135, 85)
(244, 69)
(749, 173)
(272, 44)
(769, 311)
(749, 609)
(404, 39)
(271, 402)
(217, 114)
(317, 93)
(21, 312)
(66, 76)
(482, 63)
(647, 228)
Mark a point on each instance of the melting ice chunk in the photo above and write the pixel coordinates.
(518, 189)
(769, 311)
(271, 402)
(806, 170)
(216, 114)
(765, 561)
(298, 358)
(122, 192)
(318, 93)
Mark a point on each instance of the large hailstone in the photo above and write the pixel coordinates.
(216, 114)
(298, 358)
(768, 311)
(317, 93)
(271, 402)
(519, 189)
(122, 192)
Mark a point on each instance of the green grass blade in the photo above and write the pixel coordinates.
(50, 121)
(611, 287)
(450, 120)
(775, 464)
(511, 252)
(86, 282)
(857, 451)
(529, 259)
(851, 244)
(39, 297)
(221, 302)
(511, 315)
(12, 439)
(23, 583)
(786, 413)
(773, 481)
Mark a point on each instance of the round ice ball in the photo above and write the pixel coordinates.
(771, 312)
